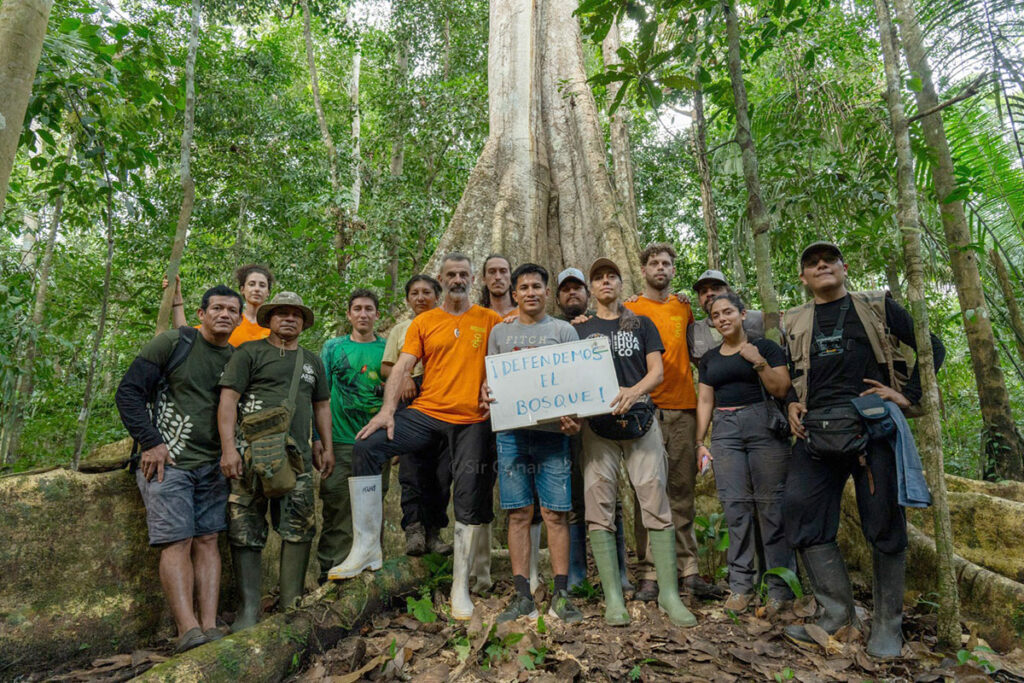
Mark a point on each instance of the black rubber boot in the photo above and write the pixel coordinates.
(832, 590)
(294, 562)
(886, 640)
(248, 563)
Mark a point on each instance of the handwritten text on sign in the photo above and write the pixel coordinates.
(538, 385)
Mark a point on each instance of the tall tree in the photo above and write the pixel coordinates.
(707, 200)
(188, 186)
(22, 29)
(622, 163)
(757, 212)
(1003, 446)
(541, 190)
(1010, 299)
(929, 425)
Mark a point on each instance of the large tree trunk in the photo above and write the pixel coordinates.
(26, 382)
(22, 29)
(707, 200)
(541, 190)
(760, 221)
(188, 186)
(1010, 297)
(94, 354)
(622, 161)
(1003, 445)
(929, 425)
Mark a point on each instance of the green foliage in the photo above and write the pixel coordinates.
(712, 543)
(969, 657)
(499, 648)
(422, 608)
(586, 590)
(534, 658)
(784, 573)
(786, 674)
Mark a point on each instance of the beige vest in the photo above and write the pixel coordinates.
(798, 331)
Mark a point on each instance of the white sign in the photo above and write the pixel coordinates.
(540, 385)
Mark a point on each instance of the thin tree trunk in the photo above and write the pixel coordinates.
(239, 246)
(707, 200)
(1002, 445)
(353, 97)
(892, 278)
(83, 415)
(929, 425)
(22, 29)
(397, 166)
(29, 237)
(321, 118)
(188, 186)
(541, 190)
(622, 161)
(760, 221)
(26, 383)
(1009, 296)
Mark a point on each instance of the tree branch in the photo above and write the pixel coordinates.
(971, 91)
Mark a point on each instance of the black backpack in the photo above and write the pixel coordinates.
(186, 340)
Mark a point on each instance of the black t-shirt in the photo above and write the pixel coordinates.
(836, 378)
(629, 346)
(733, 378)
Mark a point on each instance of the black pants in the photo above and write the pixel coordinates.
(420, 441)
(814, 491)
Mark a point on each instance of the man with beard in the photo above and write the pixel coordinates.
(263, 372)
(497, 291)
(572, 298)
(676, 402)
(452, 343)
(701, 336)
(179, 471)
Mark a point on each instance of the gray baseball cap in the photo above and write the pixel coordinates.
(710, 276)
(570, 274)
(816, 247)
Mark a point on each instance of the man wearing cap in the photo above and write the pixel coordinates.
(843, 345)
(259, 376)
(451, 340)
(676, 402)
(701, 335)
(572, 297)
(636, 352)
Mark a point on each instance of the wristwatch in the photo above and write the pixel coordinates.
(760, 365)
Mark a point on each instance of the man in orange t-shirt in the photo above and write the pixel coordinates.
(676, 399)
(452, 343)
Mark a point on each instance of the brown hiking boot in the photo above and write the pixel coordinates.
(698, 587)
(415, 540)
(435, 544)
(647, 591)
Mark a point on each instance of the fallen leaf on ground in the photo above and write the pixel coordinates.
(356, 675)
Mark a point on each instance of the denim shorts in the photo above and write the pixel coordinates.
(186, 504)
(529, 460)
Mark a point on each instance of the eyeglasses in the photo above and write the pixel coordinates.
(814, 259)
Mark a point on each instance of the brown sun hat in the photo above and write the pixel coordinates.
(283, 299)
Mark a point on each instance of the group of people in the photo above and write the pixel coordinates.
(232, 417)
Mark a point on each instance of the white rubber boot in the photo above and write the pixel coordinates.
(466, 538)
(534, 557)
(367, 511)
(480, 561)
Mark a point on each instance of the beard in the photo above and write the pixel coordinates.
(573, 310)
(457, 289)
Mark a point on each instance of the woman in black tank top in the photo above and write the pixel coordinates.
(739, 381)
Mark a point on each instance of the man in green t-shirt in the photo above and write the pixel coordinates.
(171, 412)
(258, 377)
(352, 364)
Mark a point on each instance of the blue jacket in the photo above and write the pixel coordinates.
(912, 487)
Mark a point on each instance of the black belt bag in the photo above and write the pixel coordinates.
(633, 424)
(835, 431)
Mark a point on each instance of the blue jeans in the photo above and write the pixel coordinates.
(532, 460)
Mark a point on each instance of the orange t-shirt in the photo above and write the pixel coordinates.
(245, 332)
(452, 348)
(676, 392)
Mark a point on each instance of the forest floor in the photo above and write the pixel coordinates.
(416, 641)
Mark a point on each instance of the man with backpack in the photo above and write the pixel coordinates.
(277, 388)
(168, 403)
(844, 347)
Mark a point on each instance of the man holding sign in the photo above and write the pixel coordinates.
(535, 461)
(630, 432)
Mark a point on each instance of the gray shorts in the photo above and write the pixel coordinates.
(186, 504)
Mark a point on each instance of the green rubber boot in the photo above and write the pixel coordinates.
(248, 563)
(294, 562)
(602, 545)
(663, 551)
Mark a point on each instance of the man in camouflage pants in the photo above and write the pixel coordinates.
(259, 376)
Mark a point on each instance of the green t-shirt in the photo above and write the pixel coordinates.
(187, 411)
(262, 373)
(353, 373)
